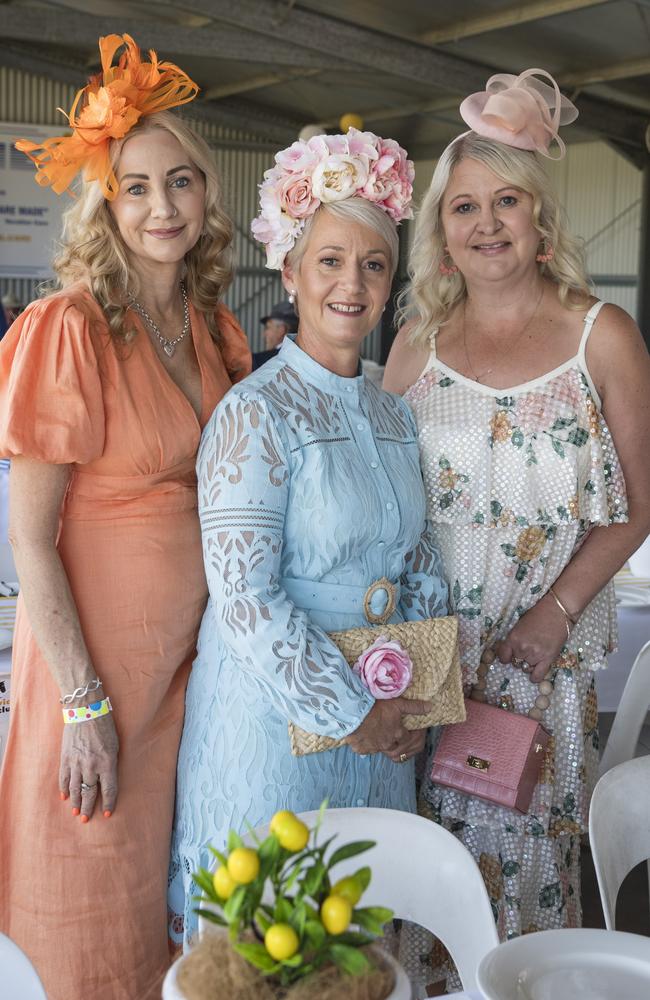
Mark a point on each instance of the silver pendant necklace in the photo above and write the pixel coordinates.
(168, 346)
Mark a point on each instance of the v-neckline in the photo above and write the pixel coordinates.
(194, 323)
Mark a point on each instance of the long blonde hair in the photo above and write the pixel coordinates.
(431, 296)
(93, 252)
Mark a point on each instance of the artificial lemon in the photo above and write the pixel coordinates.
(281, 941)
(336, 914)
(350, 888)
(290, 831)
(243, 865)
(223, 882)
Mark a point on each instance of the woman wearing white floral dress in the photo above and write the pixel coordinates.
(531, 400)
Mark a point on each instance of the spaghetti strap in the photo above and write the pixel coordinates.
(581, 355)
(586, 330)
(433, 357)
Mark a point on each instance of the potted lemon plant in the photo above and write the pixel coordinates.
(291, 928)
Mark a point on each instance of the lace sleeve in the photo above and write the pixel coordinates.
(424, 590)
(244, 478)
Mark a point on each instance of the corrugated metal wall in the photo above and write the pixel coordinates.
(601, 193)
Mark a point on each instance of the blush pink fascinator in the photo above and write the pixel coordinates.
(520, 111)
(327, 169)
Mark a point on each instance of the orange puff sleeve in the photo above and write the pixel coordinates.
(51, 405)
(235, 351)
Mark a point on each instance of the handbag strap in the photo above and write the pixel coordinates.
(545, 687)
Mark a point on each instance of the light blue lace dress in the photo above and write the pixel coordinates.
(310, 490)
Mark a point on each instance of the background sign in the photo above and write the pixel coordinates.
(30, 215)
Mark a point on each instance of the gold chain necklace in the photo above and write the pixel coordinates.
(502, 353)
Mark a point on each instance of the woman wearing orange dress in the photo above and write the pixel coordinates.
(105, 387)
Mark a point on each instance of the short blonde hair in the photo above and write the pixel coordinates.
(353, 209)
(431, 296)
(92, 250)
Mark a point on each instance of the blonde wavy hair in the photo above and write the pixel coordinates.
(92, 251)
(431, 296)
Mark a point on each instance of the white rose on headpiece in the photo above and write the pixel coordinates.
(339, 177)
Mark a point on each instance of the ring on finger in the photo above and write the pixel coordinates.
(86, 788)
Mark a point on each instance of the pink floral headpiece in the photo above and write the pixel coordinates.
(516, 110)
(326, 169)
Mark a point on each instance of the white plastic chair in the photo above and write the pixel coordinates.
(630, 714)
(422, 873)
(619, 828)
(17, 974)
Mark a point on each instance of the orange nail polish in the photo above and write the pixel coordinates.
(107, 814)
(62, 796)
(84, 819)
(75, 811)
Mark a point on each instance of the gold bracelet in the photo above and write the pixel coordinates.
(567, 617)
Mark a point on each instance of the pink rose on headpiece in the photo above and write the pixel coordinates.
(385, 668)
(296, 196)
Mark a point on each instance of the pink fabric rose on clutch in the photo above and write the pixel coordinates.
(385, 668)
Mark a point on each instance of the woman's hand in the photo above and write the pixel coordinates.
(536, 640)
(89, 755)
(382, 729)
(410, 746)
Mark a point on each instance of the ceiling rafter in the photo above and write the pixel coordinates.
(508, 18)
(28, 24)
(256, 83)
(604, 74)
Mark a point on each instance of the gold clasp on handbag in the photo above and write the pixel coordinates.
(478, 762)
(389, 592)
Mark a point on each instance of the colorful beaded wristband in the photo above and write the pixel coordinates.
(92, 711)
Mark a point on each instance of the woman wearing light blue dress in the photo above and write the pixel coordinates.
(310, 491)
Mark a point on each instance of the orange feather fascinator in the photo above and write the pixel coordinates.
(110, 105)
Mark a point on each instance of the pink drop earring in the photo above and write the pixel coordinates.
(447, 269)
(546, 254)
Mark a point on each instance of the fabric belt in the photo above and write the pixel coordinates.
(312, 595)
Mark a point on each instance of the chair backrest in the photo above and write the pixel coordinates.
(619, 828)
(423, 874)
(18, 976)
(630, 714)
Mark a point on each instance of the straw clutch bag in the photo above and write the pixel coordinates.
(432, 645)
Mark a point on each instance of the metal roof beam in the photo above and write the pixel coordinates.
(508, 18)
(604, 74)
(29, 24)
(256, 83)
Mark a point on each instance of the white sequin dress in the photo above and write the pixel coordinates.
(515, 479)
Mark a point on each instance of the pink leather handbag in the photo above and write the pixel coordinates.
(495, 754)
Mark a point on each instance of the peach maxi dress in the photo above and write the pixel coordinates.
(87, 902)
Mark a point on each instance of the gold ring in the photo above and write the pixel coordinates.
(403, 757)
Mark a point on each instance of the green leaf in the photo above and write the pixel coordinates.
(363, 877)
(350, 851)
(313, 879)
(256, 954)
(269, 849)
(510, 868)
(210, 915)
(557, 447)
(282, 910)
(321, 815)
(262, 920)
(298, 918)
(350, 960)
(474, 595)
(446, 500)
(356, 938)
(444, 463)
(456, 592)
(496, 509)
(234, 840)
(517, 438)
(578, 437)
(233, 907)
(380, 913)
(368, 922)
(509, 549)
(562, 422)
(445, 382)
(315, 933)
(204, 881)
(221, 858)
(293, 962)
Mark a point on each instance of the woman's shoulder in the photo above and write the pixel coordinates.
(75, 303)
(406, 361)
(615, 347)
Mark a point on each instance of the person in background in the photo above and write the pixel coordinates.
(104, 388)
(532, 401)
(311, 503)
(281, 321)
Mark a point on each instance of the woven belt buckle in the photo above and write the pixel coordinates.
(390, 592)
